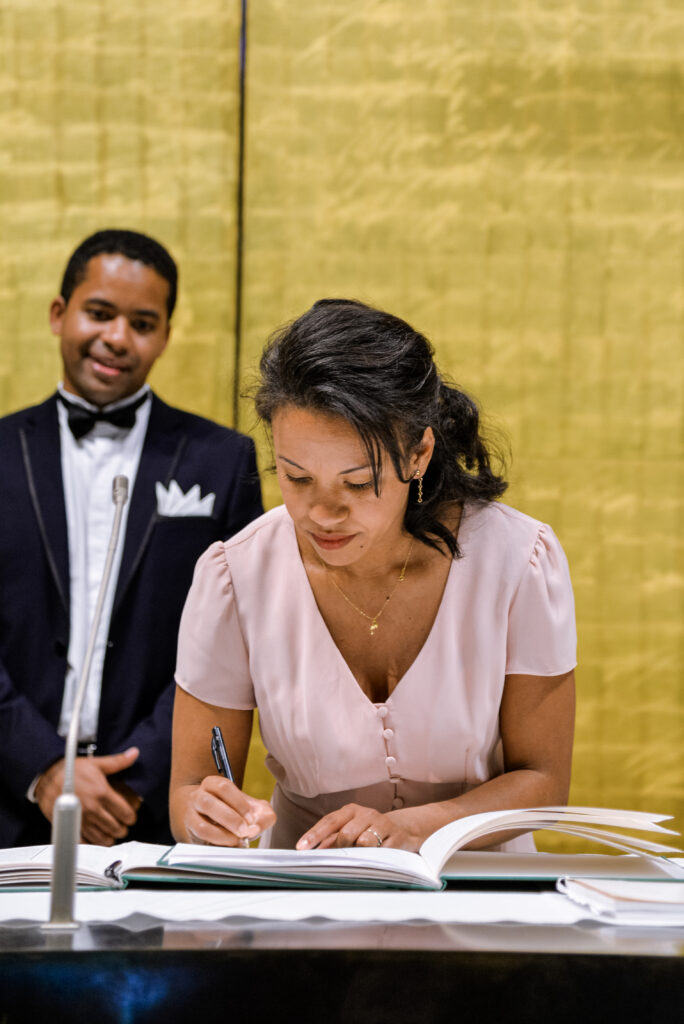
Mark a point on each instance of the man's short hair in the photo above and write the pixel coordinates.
(131, 244)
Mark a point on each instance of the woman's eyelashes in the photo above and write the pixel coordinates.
(365, 486)
(303, 480)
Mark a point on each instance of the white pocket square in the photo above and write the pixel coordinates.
(173, 502)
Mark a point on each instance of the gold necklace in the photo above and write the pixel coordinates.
(373, 619)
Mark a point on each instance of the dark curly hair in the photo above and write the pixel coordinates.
(121, 241)
(344, 358)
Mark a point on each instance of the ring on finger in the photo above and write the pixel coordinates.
(378, 837)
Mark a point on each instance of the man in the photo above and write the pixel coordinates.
(191, 482)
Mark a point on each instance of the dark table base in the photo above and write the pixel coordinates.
(319, 974)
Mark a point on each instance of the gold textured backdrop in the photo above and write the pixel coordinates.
(119, 115)
(506, 175)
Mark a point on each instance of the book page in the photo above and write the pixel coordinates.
(32, 865)
(488, 865)
(438, 847)
(135, 858)
(24, 856)
(360, 864)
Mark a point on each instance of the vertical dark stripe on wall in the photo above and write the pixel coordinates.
(239, 237)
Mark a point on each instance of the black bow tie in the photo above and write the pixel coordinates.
(82, 420)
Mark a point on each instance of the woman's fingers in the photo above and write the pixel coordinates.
(230, 794)
(346, 827)
(328, 842)
(368, 829)
(201, 830)
(221, 814)
(354, 825)
(373, 835)
(215, 810)
(326, 828)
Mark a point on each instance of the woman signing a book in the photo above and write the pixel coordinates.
(408, 640)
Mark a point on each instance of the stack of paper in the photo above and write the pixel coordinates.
(625, 901)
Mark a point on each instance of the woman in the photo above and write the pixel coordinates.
(409, 642)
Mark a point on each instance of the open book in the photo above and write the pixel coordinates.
(427, 869)
(97, 867)
(356, 867)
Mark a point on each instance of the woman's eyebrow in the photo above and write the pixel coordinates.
(291, 462)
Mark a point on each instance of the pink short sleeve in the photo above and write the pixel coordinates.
(212, 662)
(542, 638)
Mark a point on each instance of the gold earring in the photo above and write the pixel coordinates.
(417, 476)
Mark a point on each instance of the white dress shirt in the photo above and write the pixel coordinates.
(89, 466)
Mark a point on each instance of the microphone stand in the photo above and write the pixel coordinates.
(66, 818)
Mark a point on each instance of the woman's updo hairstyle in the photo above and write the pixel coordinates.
(344, 358)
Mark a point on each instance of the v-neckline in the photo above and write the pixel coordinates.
(338, 653)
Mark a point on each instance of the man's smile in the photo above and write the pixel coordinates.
(108, 368)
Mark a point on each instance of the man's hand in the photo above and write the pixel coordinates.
(108, 808)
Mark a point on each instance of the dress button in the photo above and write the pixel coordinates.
(390, 761)
(382, 711)
(397, 802)
(388, 733)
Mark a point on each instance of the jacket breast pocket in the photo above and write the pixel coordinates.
(178, 541)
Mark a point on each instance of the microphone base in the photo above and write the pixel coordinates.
(66, 831)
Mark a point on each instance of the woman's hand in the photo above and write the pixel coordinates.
(219, 814)
(206, 807)
(353, 825)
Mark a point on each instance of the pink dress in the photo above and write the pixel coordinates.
(252, 636)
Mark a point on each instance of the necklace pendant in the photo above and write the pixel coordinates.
(373, 627)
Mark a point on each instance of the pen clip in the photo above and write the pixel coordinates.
(215, 754)
(220, 754)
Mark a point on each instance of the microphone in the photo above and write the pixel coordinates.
(66, 818)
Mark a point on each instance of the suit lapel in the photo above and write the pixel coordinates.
(41, 452)
(164, 443)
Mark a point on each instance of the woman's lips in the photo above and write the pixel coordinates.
(332, 543)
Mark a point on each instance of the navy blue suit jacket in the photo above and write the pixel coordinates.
(158, 559)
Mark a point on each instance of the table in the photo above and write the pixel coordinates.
(148, 971)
